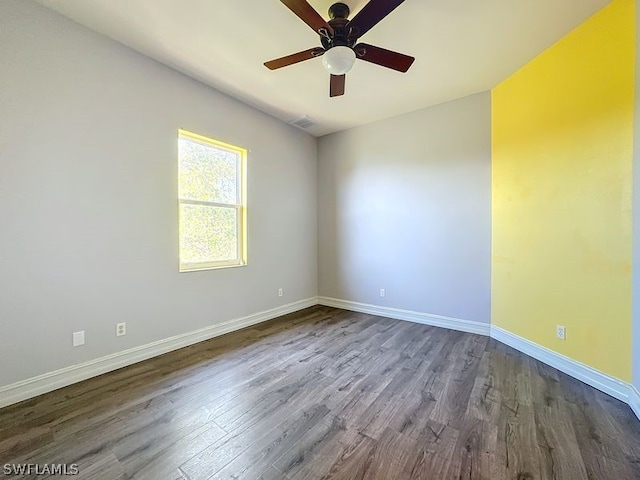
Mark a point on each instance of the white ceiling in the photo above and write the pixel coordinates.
(461, 47)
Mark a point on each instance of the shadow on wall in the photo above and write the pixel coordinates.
(405, 205)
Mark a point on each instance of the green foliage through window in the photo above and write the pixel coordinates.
(211, 193)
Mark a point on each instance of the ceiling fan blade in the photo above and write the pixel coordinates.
(386, 58)
(337, 85)
(308, 15)
(371, 14)
(294, 58)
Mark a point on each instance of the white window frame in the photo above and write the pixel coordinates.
(239, 206)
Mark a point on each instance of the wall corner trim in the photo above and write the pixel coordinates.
(601, 381)
(634, 400)
(48, 382)
(409, 315)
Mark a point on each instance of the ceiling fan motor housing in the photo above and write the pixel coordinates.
(342, 35)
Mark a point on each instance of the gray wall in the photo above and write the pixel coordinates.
(405, 204)
(636, 218)
(88, 209)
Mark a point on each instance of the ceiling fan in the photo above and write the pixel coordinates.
(339, 37)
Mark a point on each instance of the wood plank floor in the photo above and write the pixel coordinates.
(329, 394)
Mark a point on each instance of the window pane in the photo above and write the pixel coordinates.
(208, 173)
(208, 234)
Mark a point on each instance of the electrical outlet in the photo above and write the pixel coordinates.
(382, 292)
(78, 338)
(121, 329)
(561, 332)
(280, 292)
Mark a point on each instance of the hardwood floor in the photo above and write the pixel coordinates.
(330, 394)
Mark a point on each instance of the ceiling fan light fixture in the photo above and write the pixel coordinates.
(339, 60)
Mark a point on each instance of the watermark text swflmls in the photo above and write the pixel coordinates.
(40, 469)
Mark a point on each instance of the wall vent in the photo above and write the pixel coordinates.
(303, 122)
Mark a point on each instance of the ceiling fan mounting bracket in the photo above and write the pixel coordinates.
(324, 33)
(338, 10)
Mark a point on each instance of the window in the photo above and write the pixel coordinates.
(212, 207)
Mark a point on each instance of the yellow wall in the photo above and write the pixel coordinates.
(562, 140)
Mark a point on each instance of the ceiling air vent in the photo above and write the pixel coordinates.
(303, 122)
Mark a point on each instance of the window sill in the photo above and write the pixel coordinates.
(201, 268)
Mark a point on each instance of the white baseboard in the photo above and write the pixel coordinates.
(409, 315)
(634, 400)
(47, 382)
(601, 381)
